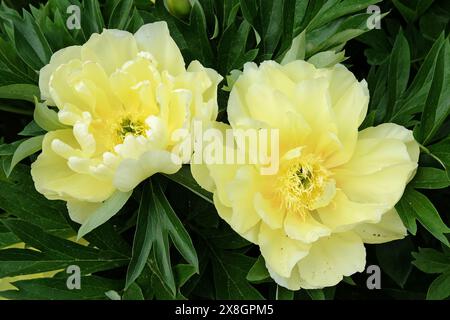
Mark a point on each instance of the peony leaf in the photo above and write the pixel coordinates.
(18, 196)
(297, 50)
(46, 118)
(32, 129)
(437, 106)
(414, 205)
(229, 276)
(398, 72)
(25, 149)
(431, 261)
(439, 288)
(134, 292)
(327, 59)
(142, 242)
(104, 212)
(156, 222)
(184, 178)
(283, 294)
(92, 287)
(54, 253)
(430, 178)
(25, 92)
(258, 271)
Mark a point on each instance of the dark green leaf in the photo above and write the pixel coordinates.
(316, 294)
(55, 253)
(414, 205)
(431, 261)
(430, 178)
(25, 92)
(134, 292)
(258, 271)
(230, 270)
(92, 288)
(19, 197)
(395, 259)
(439, 288)
(284, 294)
(398, 72)
(184, 178)
(142, 242)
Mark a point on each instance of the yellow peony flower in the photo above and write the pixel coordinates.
(120, 97)
(335, 189)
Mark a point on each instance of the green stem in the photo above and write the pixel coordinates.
(428, 152)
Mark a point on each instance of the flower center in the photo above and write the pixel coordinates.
(128, 125)
(302, 184)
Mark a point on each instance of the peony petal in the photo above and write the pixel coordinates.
(200, 173)
(58, 58)
(111, 49)
(292, 282)
(331, 258)
(389, 228)
(226, 213)
(241, 192)
(306, 229)
(380, 167)
(271, 215)
(343, 214)
(280, 252)
(350, 100)
(80, 211)
(54, 178)
(131, 172)
(155, 38)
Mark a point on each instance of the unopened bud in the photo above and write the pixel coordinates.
(179, 8)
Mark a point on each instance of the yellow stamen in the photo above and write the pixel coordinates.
(302, 184)
(129, 125)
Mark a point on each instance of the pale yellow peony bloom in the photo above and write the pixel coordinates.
(120, 97)
(336, 187)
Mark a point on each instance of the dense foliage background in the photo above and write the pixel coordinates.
(192, 253)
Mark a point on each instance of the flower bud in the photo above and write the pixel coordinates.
(179, 8)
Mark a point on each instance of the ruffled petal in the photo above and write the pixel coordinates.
(155, 38)
(56, 180)
(58, 58)
(131, 172)
(111, 49)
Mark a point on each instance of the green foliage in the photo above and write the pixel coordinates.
(433, 261)
(168, 241)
